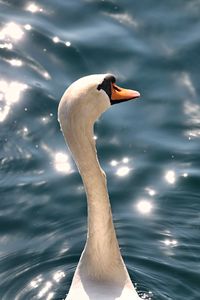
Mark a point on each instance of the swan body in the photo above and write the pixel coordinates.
(101, 273)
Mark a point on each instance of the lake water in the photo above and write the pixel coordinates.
(150, 148)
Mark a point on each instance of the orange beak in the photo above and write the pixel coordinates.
(119, 94)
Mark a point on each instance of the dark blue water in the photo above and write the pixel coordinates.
(150, 148)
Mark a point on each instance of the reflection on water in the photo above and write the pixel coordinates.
(15, 62)
(125, 160)
(8, 46)
(122, 168)
(124, 18)
(151, 146)
(68, 43)
(36, 282)
(25, 130)
(60, 160)
(9, 94)
(10, 34)
(150, 191)
(168, 242)
(11, 31)
(28, 27)
(170, 176)
(58, 275)
(113, 163)
(192, 111)
(185, 81)
(61, 163)
(185, 174)
(56, 39)
(46, 120)
(123, 171)
(33, 8)
(44, 288)
(144, 206)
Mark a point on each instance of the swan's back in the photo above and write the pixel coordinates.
(90, 289)
(101, 291)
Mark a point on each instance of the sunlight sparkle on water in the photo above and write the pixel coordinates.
(122, 167)
(68, 44)
(61, 163)
(170, 176)
(25, 130)
(50, 296)
(8, 46)
(56, 39)
(45, 289)
(192, 112)
(124, 18)
(150, 191)
(64, 249)
(113, 163)
(186, 81)
(123, 171)
(45, 120)
(46, 75)
(147, 296)
(11, 31)
(33, 8)
(144, 206)
(15, 62)
(36, 282)
(10, 93)
(58, 275)
(168, 242)
(125, 160)
(27, 27)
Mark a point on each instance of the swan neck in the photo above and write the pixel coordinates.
(101, 232)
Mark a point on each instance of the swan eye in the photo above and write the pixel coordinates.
(106, 85)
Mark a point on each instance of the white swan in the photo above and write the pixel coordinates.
(101, 273)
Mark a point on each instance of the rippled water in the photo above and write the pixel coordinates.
(149, 148)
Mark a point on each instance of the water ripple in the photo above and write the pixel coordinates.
(148, 148)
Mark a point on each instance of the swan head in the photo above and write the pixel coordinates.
(88, 97)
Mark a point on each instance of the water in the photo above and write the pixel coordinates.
(149, 148)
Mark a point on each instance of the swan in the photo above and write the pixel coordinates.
(101, 273)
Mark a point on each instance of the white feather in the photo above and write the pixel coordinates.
(101, 273)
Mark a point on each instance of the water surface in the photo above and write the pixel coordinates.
(149, 148)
